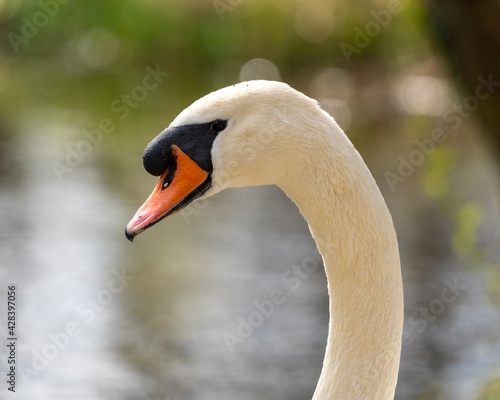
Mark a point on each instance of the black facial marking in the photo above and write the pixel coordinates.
(195, 140)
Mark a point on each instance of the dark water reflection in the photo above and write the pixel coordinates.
(59, 249)
(100, 318)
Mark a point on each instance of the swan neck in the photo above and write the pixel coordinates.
(354, 233)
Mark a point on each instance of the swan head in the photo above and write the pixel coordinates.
(243, 135)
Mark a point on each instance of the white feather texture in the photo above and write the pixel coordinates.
(277, 135)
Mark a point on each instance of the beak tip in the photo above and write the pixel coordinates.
(129, 235)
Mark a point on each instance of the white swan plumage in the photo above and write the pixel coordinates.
(262, 133)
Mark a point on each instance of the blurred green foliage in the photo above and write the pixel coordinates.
(491, 390)
(88, 53)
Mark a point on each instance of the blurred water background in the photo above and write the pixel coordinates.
(101, 318)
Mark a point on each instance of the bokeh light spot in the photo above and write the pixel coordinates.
(339, 110)
(97, 48)
(332, 82)
(424, 95)
(259, 68)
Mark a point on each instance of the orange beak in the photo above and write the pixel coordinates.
(171, 194)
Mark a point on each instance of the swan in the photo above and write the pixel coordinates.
(265, 132)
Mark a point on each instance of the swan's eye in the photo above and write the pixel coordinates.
(218, 125)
